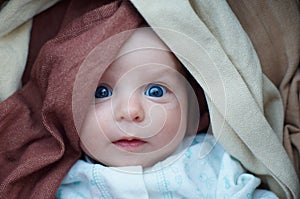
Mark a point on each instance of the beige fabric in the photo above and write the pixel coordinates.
(273, 27)
(245, 107)
(15, 20)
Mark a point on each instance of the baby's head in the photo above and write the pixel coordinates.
(141, 109)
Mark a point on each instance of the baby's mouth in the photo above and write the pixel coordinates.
(129, 144)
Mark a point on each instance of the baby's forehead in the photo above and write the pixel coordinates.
(143, 38)
(144, 47)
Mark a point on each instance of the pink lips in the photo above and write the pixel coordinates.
(129, 144)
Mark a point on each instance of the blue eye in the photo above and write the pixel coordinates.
(155, 90)
(102, 92)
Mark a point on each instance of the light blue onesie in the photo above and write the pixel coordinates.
(203, 170)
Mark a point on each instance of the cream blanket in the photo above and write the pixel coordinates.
(16, 20)
(245, 107)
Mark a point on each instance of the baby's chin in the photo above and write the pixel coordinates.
(144, 160)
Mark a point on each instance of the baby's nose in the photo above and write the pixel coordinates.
(130, 110)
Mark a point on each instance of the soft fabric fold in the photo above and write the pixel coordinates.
(16, 22)
(274, 31)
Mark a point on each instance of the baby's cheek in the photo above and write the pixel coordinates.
(174, 113)
(104, 119)
(172, 134)
(172, 125)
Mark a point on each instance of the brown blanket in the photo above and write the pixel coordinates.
(38, 137)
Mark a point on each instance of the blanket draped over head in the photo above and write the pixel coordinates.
(39, 124)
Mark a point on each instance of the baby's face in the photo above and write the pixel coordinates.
(140, 112)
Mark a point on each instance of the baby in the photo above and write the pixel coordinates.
(140, 135)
